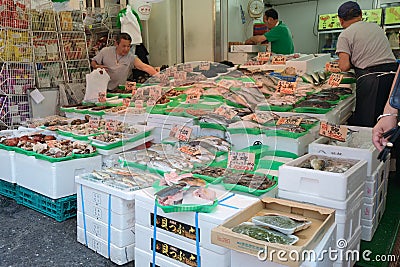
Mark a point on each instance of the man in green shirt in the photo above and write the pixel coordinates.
(279, 34)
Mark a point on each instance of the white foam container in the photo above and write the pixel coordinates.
(129, 118)
(298, 146)
(348, 213)
(320, 146)
(143, 258)
(354, 245)
(378, 175)
(234, 203)
(161, 120)
(54, 180)
(144, 238)
(119, 238)
(368, 228)
(309, 63)
(336, 186)
(370, 205)
(370, 188)
(240, 259)
(7, 172)
(213, 132)
(118, 255)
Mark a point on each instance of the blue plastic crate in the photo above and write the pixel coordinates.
(8, 189)
(284, 77)
(60, 209)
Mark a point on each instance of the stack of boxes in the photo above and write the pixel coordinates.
(106, 220)
(374, 198)
(340, 191)
(174, 242)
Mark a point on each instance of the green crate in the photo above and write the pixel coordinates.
(8, 189)
(59, 209)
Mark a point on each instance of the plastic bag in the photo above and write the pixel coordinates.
(96, 82)
(130, 25)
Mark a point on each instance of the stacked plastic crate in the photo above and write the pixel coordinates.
(374, 198)
(74, 45)
(16, 62)
(182, 238)
(341, 191)
(48, 59)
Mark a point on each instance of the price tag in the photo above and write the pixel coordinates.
(151, 102)
(264, 56)
(225, 111)
(249, 84)
(337, 132)
(139, 103)
(241, 160)
(180, 75)
(226, 83)
(155, 92)
(332, 66)
(187, 67)
(130, 86)
(94, 122)
(193, 151)
(163, 78)
(183, 133)
(289, 120)
(139, 93)
(279, 60)
(335, 79)
(204, 65)
(102, 97)
(193, 98)
(111, 125)
(286, 87)
(262, 118)
(126, 102)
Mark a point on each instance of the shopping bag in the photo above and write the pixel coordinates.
(96, 82)
(130, 25)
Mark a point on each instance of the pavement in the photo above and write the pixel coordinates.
(29, 238)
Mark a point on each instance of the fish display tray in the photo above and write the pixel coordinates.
(52, 179)
(7, 173)
(239, 259)
(118, 255)
(144, 242)
(297, 146)
(336, 186)
(8, 189)
(229, 205)
(245, 189)
(188, 207)
(107, 233)
(243, 140)
(370, 154)
(59, 209)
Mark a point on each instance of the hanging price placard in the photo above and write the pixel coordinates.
(332, 66)
(126, 102)
(337, 132)
(289, 120)
(130, 86)
(225, 111)
(286, 87)
(264, 56)
(204, 65)
(278, 60)
(94, 122)
(335, 79)
(241, 160)
(139, 93)
(138, 103)
(111, 125)
(102, 97)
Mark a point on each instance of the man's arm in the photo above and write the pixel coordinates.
(344, 61)
(257, 39)
(95, 65)
(144, 67)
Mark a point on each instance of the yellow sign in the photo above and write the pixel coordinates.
(372, 15)
(392, 15)
(328, 22)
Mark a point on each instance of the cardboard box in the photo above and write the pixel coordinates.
(321, 218)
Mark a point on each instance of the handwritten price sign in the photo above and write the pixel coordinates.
(193, 98)
(204, 65)
(138, 103)
(241, 160)
(155, 92)
(163, 78)
(180, 75)
(337, 132)
(94, 122)
(126, 102)
(335, 79)
(111, 125)
(102, 97)
(182, 133)
(278, 60)
(226, 83)
(264, 56)
(286, 87)
(226, 111)
(289, 120)
(332, 66)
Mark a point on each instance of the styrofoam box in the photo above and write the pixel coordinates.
(240, 141)
(144, 242)
(54, 180)
(7, 173)
(119, 238)
(240, 58)
(346, 109)
(233, 203)
(348, 213)
(248, 48)
(298, 146)
(129, 118)
(337, 186)
(212, 132)
(118, 255)
(381, 210)
(320, 146)
(74, 115)
(370, 205)
(368, 228)
(309, 63)
(98, 194)
(370, 188)
(159, 119)
(271, 193)
(239, 259)
(143, 258)
(354, 245)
